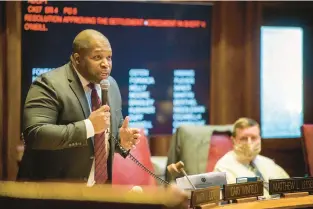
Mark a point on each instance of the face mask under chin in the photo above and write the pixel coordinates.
(247, 152)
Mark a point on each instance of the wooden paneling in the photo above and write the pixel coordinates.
(287, 153)
(13, 85)
(2, 80)
(235, 68)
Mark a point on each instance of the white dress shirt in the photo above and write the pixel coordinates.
(89, 127)
(234, 169)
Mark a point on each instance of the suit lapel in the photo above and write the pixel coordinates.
(112, 104)
(110, 101)
(78, 89)
(112, 127)
(112, 114)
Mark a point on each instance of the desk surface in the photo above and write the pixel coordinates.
(80, 192)
(288, 202)
(158, 196)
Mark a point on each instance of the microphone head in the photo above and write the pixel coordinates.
(105, 84)
(180, 165)
(174, 169)
(137, 189)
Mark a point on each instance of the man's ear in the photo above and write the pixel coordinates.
(75, 58)
(233, 139)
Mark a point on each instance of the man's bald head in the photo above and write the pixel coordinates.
(86, 39)
(92, 55)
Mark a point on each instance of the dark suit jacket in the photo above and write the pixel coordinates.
(54, 130)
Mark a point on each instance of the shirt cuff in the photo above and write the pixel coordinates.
(89, 128)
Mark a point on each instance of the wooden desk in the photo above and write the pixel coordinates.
(20, 195)
(291, 202)
(27, 195)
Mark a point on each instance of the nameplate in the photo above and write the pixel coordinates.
(291, 185)
(243, 190)
(206, 195)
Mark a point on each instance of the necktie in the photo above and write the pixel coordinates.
(259, 174)
(101, 173)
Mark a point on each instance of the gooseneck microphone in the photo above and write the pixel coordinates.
(104, 84)
(179, 167)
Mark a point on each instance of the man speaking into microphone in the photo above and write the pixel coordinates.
(69, 133)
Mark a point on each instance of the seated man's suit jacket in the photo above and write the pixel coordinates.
(55, 135)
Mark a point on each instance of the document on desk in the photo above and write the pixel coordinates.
(203, 180)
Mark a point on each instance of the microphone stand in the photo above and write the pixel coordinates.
(177, 168)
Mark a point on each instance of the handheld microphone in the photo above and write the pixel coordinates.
(104, 84)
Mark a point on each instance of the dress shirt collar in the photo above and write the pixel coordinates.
(83, 80)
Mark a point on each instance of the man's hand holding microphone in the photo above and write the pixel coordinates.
(100, 119)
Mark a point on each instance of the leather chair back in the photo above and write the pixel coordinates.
(127, 172)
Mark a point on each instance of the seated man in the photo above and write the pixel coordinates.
(244, 160)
